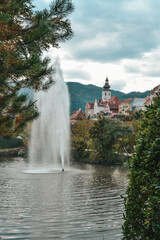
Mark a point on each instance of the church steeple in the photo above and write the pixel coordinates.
(106, 86)
(106, 92)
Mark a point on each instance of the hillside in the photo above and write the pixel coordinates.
(81, 94)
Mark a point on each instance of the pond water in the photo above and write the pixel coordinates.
(82, 202)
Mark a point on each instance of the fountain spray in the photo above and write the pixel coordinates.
(50, 134)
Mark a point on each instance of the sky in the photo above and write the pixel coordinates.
(118, 39)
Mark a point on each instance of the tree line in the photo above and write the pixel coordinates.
(103, 141)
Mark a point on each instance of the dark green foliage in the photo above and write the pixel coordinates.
(101, 141)
(24, 36)
(142, 204)
(105, 134)
(82, 94)
(131, 117)
(7, 142)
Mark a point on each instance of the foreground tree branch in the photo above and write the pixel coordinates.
(24, 35)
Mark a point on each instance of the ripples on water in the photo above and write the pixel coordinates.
(81, 203)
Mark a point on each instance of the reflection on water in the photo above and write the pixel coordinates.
(81, 203)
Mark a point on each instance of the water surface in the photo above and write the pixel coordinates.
(80, 203)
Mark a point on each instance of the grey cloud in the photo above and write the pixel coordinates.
(145, 69)
(77, 74)
(118, 85)
(114, 48)
(132, 68)
(153, 73)
(150, 72)
(124, 34)
(112, 30)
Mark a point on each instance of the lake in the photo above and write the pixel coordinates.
(83, 202)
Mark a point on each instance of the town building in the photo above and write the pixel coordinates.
(106, 92)
(125, 106)
(111, 106)
(131, 105)
(89, 112)
(107, 105)
(137, 104)
(77, 115)
(150, 98)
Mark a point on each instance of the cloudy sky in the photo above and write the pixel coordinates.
(115, 38)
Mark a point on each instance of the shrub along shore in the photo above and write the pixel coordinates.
(104, 141)
(12, 147)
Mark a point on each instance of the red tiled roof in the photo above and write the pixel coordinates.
(102, 103)
(155, 89)
(149, 98)
(91, 105)
(127, 100)
(77, 115)
(147, 101)
(113, 103)
(114, 100)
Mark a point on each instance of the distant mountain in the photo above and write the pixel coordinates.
(81, 94)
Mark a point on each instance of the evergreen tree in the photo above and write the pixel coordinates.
(142, 204)
(24, 35)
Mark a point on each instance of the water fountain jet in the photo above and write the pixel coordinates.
(50, 134)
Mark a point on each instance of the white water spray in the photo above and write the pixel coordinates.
(50, 134)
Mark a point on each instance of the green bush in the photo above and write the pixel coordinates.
(105, 134)
(142, 203)
(8, 142)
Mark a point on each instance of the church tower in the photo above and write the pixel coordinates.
(106, 92)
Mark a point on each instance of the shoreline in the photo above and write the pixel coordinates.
(13, 152)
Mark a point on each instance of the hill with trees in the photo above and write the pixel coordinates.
(80, 94)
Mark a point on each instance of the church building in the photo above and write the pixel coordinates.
(107, 105)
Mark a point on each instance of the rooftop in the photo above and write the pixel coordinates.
(77, 115)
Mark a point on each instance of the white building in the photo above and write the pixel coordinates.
(106, 92)
(150, 98)
(137, 104)
(108, 105)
